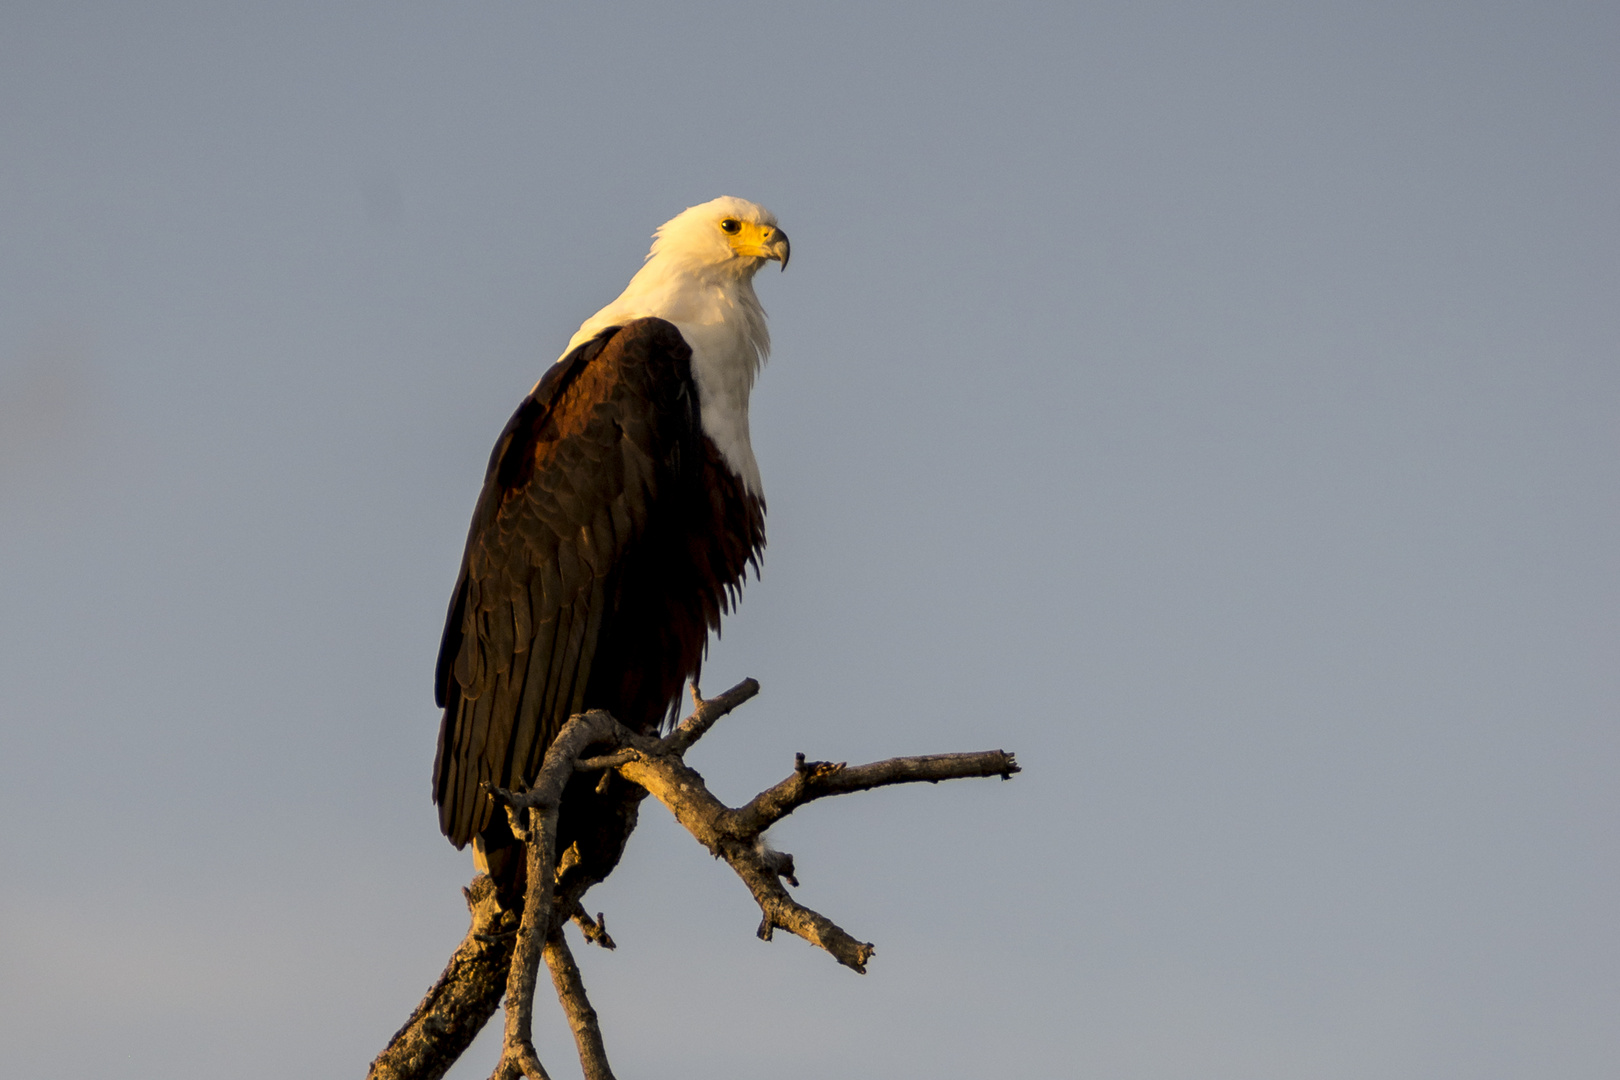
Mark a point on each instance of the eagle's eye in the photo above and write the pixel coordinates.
(731, 225)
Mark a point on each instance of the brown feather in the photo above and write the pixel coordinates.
(608, 540)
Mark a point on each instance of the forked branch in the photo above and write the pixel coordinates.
(735, 835)
(537, 925)
(424, 1048)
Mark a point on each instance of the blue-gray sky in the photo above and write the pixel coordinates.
(1215, 404)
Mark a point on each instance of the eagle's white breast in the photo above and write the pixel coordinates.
(693, 280)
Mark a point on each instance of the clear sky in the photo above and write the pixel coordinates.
(1215, 404)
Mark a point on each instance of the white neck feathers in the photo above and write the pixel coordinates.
(714, 307)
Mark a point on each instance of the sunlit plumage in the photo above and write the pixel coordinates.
(620, 511)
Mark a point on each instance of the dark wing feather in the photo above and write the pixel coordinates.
(571, 485)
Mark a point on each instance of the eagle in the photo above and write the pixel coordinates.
(621, 509)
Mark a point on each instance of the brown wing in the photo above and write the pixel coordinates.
(593, 474)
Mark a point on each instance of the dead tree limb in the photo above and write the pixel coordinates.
(460, 1003)
(433, 1037)
(735, 835)
(565, 978)
(536, 927)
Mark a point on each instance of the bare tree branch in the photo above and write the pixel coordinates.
(437, 1032)
(542, 800)
(817, 779)
(734, 835)
(460, 1003)
(595, 930)
(520, 1064)
(570, 988)
(704, 714)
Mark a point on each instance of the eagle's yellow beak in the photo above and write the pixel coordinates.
(753, 241)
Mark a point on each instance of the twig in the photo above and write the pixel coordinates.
(570, 989)
(595, 930)
(818, 779)
(705, 712)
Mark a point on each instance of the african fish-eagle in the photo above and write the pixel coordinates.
(620, 510)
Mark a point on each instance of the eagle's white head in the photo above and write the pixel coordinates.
(727, 235)
(699, 275)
